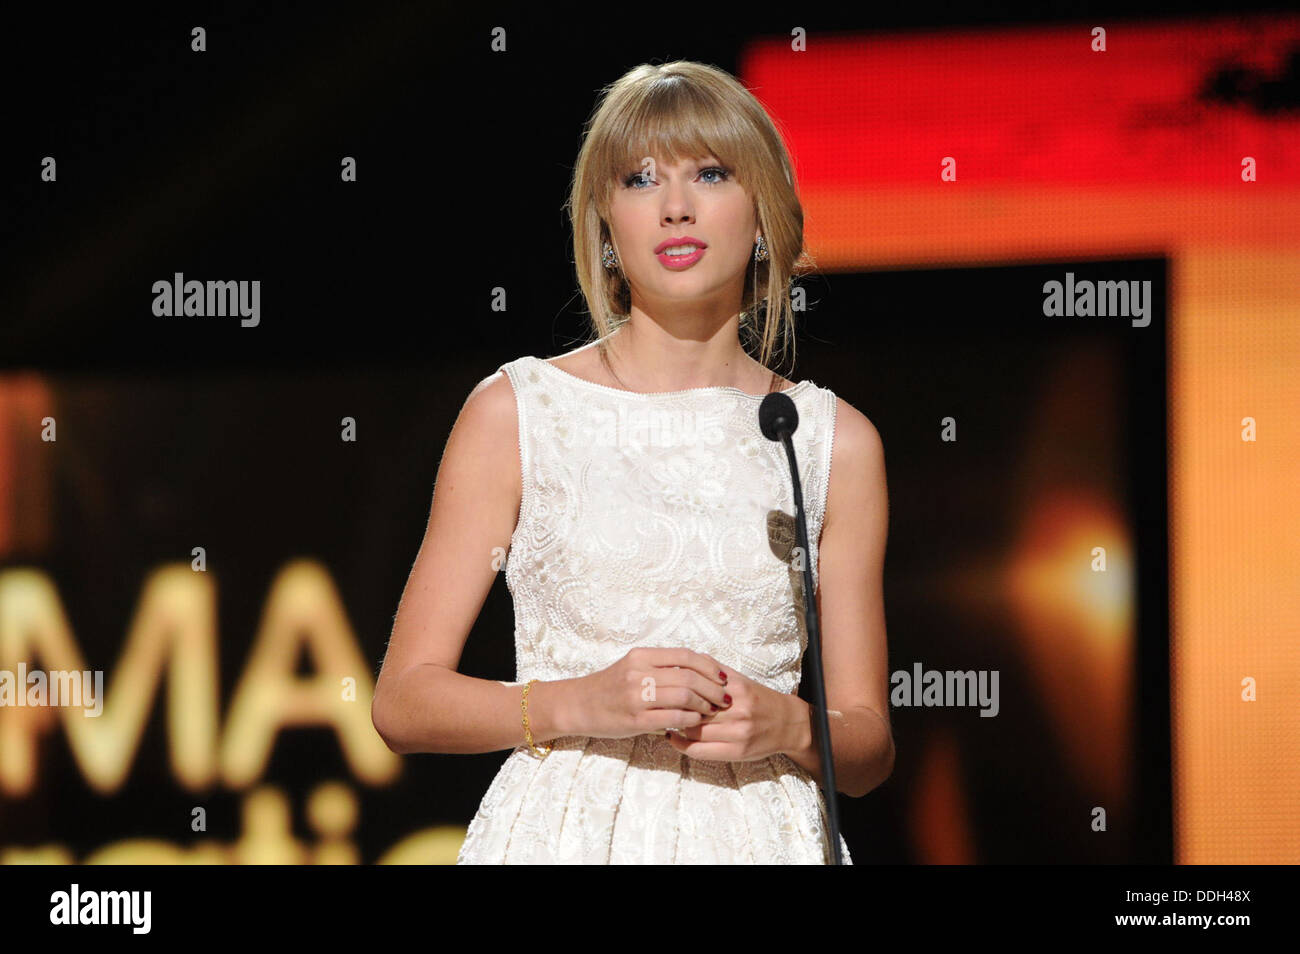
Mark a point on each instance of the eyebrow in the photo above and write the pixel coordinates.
(709, 160)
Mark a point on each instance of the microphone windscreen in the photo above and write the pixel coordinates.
(777, 416)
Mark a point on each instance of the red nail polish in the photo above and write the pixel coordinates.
(713, 707)
(726, 698)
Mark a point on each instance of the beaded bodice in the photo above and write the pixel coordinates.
(663, 519)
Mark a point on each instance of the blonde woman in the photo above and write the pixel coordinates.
(650, 527)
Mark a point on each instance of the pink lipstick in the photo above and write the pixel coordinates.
(688, 251)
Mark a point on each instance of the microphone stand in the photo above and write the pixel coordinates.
(778, 419)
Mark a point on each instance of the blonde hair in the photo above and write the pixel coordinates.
(679, 111)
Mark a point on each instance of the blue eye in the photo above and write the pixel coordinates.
(723, 175)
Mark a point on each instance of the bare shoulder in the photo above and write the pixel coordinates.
(489, 410)
(855, 434)
(857, 477)
(484, 441)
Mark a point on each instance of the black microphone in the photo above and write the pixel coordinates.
(778, 419)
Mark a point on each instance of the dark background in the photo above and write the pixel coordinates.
(375, 304)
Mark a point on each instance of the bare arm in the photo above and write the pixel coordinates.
(422, 704)
(851, 604)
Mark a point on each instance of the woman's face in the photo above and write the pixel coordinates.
(697, 200)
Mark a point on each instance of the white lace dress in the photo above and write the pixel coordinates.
(662, 520)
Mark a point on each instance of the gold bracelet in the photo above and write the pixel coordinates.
(528, 732)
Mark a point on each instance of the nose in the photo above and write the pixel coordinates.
(677, 204)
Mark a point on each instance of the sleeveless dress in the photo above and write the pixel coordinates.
(661, 519)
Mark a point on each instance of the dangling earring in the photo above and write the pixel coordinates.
(608, 258)
(760, 250)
